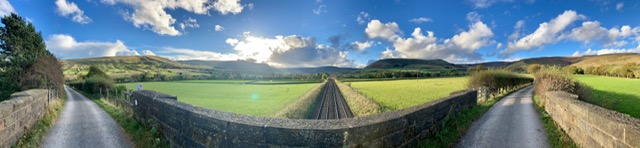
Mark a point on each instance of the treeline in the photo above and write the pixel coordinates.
(629, 70)
(25, 63)
(149, 77)
(400, 74)
(497, 81)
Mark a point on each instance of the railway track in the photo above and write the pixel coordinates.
(332, 104)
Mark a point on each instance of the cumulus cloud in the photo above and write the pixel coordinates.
(546, 33)
(420, 20)
(320, 9)
(363, 17)
(148, 53)
(290, 51)
(517, 30)
(460, 48)
(376, 29)
(591, 31)
(606, 51)
(219, 28)
(67, 47)
(361, 45)
(70, 9)
(152, 15)
(6, 8)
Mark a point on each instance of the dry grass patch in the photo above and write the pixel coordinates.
(360, 105)
(303, 106)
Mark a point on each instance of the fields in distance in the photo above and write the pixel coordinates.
(232, 95)
(399, 94)
(619, 94)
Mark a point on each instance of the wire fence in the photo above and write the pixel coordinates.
(118, 98)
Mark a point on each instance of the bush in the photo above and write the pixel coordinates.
(554, 79)
(96, 83)
(497, 80)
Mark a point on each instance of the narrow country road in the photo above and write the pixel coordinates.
(82, 124)
(512, 122)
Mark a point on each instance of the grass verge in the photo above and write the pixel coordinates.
(303, 106)
(358, 103)
(35, 135)
(556, 137)
(141, 135)
(454, 127)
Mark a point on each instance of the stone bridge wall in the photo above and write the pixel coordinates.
(592, 126)
(185, 125)
(20, 113)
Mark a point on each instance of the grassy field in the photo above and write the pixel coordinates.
(619, 94)
(401, 94)
(257, 100)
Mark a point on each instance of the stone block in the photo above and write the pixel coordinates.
(394, 140)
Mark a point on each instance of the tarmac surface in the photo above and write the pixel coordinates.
(83, 124)
(512, 122)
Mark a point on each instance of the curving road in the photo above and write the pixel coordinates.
(512, 122)
(82, 123)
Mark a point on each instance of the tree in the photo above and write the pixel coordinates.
(95, 71)
(20, 47)
(324, 76)
(475, 69)
(533, 68)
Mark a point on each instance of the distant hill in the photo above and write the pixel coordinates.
(325, 69)
(120, 66)
(150, 61)
(609, 59)
(238, 66)
(394, 63)
(558, 61)
(498, 64)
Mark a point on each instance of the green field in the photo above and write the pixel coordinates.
(256, 100)
(399, 94)
(619, 94)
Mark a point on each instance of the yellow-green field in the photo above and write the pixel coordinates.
(256, 100)
(399, 94)
(619, 94)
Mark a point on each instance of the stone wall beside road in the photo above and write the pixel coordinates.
(20, 113)
(185, 125)
(592, 126)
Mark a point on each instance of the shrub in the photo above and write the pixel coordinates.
(554, 79)
(97, 83)
(497, 80)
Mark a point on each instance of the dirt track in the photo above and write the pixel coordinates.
(332, 104)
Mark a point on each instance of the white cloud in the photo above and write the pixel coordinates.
(619, 6)
(477, 36)
(148, 53)
(361, 45)
(70, 9)
(499, 45)
(591, 31)
(363, 17)
(229, 6)
(473, 16)
(290, 51)
(460, 48)
(546, 33)
(219, 28)
(517, 29)
(189, 23)
(152, 15)
(479, 4)
(605, 51)
(190, 54)
(67, 47)
(388, 31)
(6, 8)
(320, 9)
(420, 20)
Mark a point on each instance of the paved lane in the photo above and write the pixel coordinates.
(512, 122)
(83, 124)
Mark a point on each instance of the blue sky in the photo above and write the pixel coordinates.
(341, 33)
